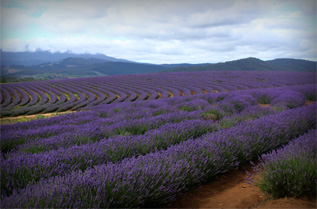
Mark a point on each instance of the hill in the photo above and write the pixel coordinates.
(39, 57)
(253, 64)
(101, 65)
(123, 68)
(294, 64)
(78, 67)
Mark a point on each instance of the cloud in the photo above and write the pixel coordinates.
(164, 31)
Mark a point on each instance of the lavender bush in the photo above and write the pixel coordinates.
(289, 171)
(290, 99)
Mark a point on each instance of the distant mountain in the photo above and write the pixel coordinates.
(71, 67)
(182, 65)
(39, 57)
(123, 68)
(71, 62)
(294, 64)
(78, 67)
(252, 64)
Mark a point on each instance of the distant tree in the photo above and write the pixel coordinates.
(3, 80)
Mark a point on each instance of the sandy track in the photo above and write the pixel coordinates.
(230, 191)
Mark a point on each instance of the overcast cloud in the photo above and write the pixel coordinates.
(164, 31)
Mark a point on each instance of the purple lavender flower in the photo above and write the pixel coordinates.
(156, 178)
(291, 170)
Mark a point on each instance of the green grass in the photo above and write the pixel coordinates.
(187, 108)
(20, 119)
(212, 115)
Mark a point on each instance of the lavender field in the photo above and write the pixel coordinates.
(74, 94)
(143, 140)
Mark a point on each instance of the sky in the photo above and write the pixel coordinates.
(163, 31)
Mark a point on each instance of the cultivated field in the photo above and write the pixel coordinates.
(30, 98)
(132, 145)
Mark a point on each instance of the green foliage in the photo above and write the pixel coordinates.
(18, 79)
(77, 97)
(227, 123)
(264, 100)
(311, 97)
(8, 145)
(103, 114)
(132, 130)
(187, 108)
(3, 80)
(116, 110)
(289, 171)
(40, 116)
(279, 108)
(160, 112)
(35, 149)
(213, 115)
(276, 179)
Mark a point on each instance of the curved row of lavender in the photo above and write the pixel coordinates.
(146, 153)
(72, 94)
(176, 108)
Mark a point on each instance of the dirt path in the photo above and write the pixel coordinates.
(230, 191)
(11, 120)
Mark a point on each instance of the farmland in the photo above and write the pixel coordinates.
(30, 98)
(142, 140)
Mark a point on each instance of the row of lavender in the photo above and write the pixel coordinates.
(117, 118)
(72, 94)
(156, 178)
(63, 154)
(289, 171)
(206, 134)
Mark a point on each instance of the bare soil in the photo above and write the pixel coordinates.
(308, 102)
(231, 191)
(264, 105)
(11, 120)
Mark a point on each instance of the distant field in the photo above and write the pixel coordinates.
(29, 98)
